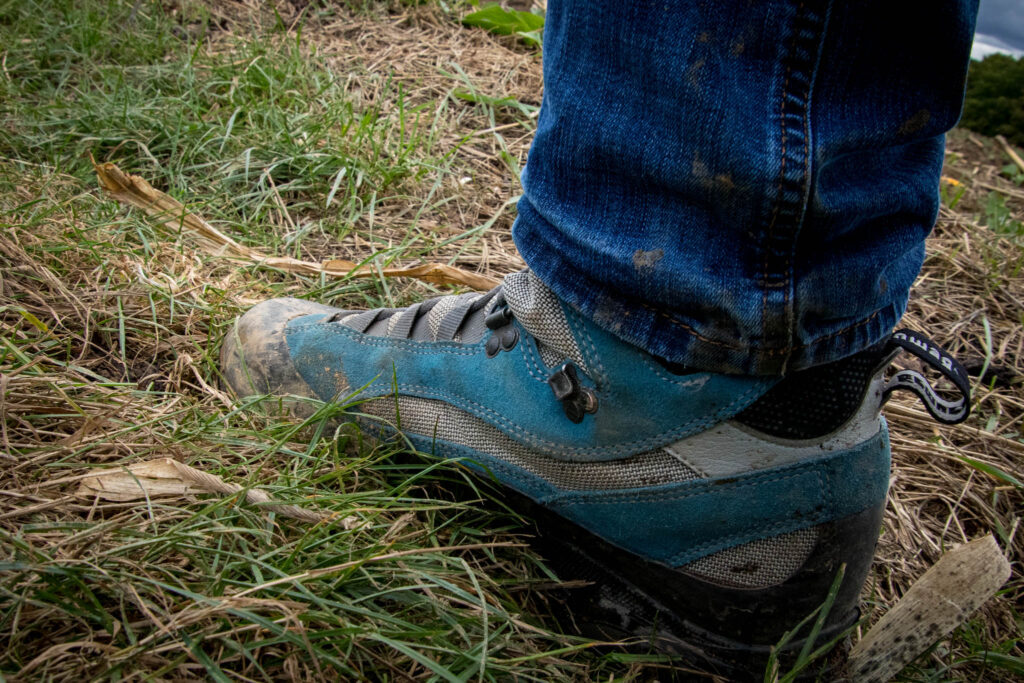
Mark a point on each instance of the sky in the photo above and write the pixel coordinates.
(1000, 28)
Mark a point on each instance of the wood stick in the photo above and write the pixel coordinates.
(1012, 152)
(959, 583)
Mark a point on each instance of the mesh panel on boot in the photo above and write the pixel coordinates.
(757, 564)
(760, 563)
(538, 310)
(440, 420)
(548, 355)
(813, 402)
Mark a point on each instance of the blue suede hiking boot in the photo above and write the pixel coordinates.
(711, 513)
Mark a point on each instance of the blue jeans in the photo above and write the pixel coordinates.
(741, 187)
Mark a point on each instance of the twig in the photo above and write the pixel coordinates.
(1010, 151)
(948, 593)
(38, 507)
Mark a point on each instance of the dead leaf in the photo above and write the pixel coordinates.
(167, 477)
(169, 212)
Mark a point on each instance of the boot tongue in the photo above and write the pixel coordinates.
(452, 318)
(445, 318)
(541, 314)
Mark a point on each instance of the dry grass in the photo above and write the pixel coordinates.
(970, 296)
(111, 331)
(432, 58)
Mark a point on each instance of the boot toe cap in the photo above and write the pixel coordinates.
(255, 359)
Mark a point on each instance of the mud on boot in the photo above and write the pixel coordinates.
(711, 513)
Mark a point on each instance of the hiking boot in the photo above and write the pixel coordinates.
(712, 513)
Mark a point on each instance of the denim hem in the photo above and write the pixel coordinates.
(666, 336)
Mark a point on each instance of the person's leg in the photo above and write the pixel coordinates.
(741, 187)
(714, 196)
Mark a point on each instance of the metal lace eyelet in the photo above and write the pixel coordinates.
(577, 400)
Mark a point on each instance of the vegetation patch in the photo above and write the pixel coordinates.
(389, 135)
(994, 103)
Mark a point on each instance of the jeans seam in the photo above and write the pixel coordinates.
(767, 351)
(691, 330)
(819, 340)
(798, 84)
(778, 196)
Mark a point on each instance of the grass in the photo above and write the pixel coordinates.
(380, 133)
(110, 346)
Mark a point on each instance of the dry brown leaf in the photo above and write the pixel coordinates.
(121, 486)
(168, 477)
(169, 212)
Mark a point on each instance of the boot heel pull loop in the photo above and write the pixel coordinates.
(946, 412)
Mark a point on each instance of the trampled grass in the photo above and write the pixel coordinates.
(320, 131)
